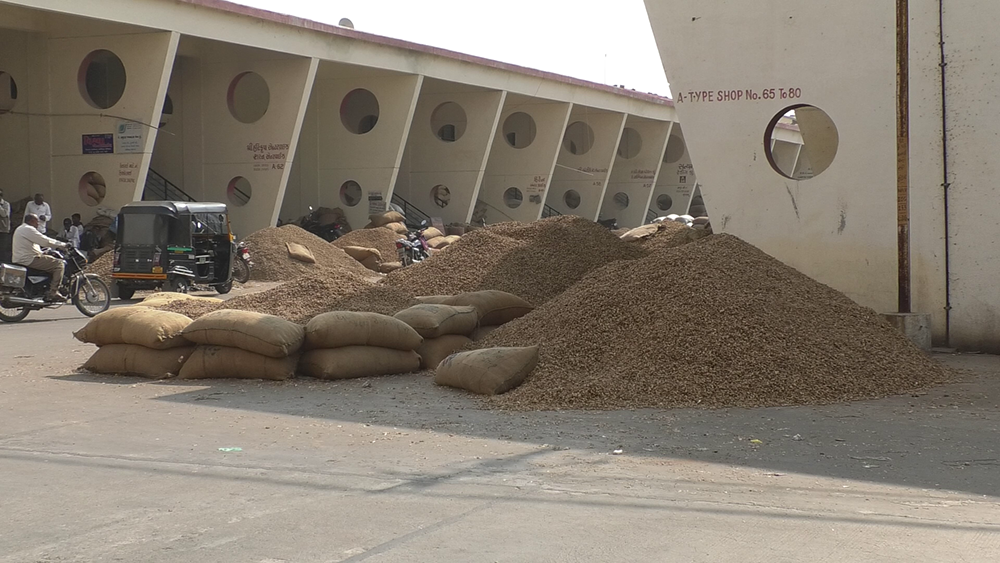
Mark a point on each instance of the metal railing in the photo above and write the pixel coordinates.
(158, 188)
(651, 215)
(549, 211)
(413, 215)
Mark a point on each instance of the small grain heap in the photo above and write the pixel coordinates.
(535, 261)
(187, 305)
(269, 250)
(102, 267)
(137, 341)
(715, 323)
(379, 238)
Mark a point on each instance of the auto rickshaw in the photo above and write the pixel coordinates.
(172, 245)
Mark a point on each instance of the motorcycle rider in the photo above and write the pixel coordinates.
(27, 251)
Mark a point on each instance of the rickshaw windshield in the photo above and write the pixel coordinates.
(142, 230)
(209, 224)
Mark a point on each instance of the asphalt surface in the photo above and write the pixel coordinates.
(395, 469)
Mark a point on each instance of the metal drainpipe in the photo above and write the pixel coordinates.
(946, 179)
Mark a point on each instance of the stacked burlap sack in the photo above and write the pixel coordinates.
(137, 341)
(243, 345)
(370, 258)
(495, 308)
(345, 344)
(444, 328)
(390, 220)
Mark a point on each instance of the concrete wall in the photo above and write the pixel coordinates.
(585, 173)
(633, 177)
(527, 167)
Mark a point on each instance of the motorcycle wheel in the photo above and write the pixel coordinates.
(13, 315)
(92, 296)
(241, 270)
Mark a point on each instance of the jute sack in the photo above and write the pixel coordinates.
(452, 239)
(129, 359)
(159, 330)
(494, 307)
(386, 267)
(431, 232)
(360, 253)
(383, 219)
(254, 332)
(357, 361)
(434, 350)
(432, 321)
(437, 243)
(642, 232)
(482, 332)
(337, 329)
(398, 228)
(221, 362)
(106, 328)
(301, 253)
(371, 263)
(488, 372)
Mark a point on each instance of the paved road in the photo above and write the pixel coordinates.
(397, 470)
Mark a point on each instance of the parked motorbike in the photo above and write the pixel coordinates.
(610, 224)
(328, 232)
(242, 264)
(22, 290)
(412, 249)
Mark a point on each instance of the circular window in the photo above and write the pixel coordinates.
(675, 149)
(664, 202)
(92, 189)
(8, 92)
(359, 111)
(519, 130)
(239, 191)
(572, 199)
(513, 198)
(102, 79)
(579, 138)
(448, 122)
(350, 193)
(820, 141)
(630, 144)
(248, 97)
(441, 195)
(168, 111)
(621, 200)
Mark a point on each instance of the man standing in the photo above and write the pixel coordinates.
(39, 208)
(27, 245)
(4, 229)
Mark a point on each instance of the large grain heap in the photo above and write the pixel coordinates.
(379, 238)
(535, 261)
(714, 323)
(102, 267)
(269, 253)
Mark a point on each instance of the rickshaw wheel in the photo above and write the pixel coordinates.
(178, 285)
(225, 287)
(125, 293)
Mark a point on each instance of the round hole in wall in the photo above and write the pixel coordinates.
(102, 79)
(350, 193)
(239, 191)
(808, 125)
(572, 199)
(675, 149)
(519, 130)
(631, 143)
(448, 122)
(621, 200)
(664, 202)
(359, 111)
(513, 198)
(92, 189)
(168, 111)
(441, 195)
(8, 92)
(248, 97)
(579, 138)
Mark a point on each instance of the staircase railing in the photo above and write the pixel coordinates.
(158, 188)
(651, 215)
(549, 211)
(413, 215)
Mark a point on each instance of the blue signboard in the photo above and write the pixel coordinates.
(100, 143)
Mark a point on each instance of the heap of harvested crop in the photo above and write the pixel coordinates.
(102, 267)
(271, 261)
(379, 238)
(535, 261)
(715, 323)
(671, 235)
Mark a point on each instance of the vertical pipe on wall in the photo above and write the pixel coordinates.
(946, 180)
(903, 150)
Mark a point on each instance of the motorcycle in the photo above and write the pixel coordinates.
(412, 249)
(22, 290)
(242, 264)
(328, 232)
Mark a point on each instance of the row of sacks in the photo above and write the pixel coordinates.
(336, 345)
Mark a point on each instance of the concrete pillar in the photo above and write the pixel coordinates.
(449, 142)
(352, 141)
(105, 96)
(785, 155)
(676, 181)
(522, 159)
(633, 177)
(585, 160)
(22, 61)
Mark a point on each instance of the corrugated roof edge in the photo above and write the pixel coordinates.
(239, 9)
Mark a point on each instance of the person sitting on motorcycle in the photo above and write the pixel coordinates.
(27, 251)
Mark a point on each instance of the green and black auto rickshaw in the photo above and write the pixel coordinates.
(173, 245)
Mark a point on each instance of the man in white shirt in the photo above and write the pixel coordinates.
(39, 208)
(27, 251)
(71, 233)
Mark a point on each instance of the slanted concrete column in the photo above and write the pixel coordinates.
(633, 177)
(105, 94)
(524, 154)
(785, 155)
(585, 160)
(676, 181)
(352, 141)
(447, 149)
